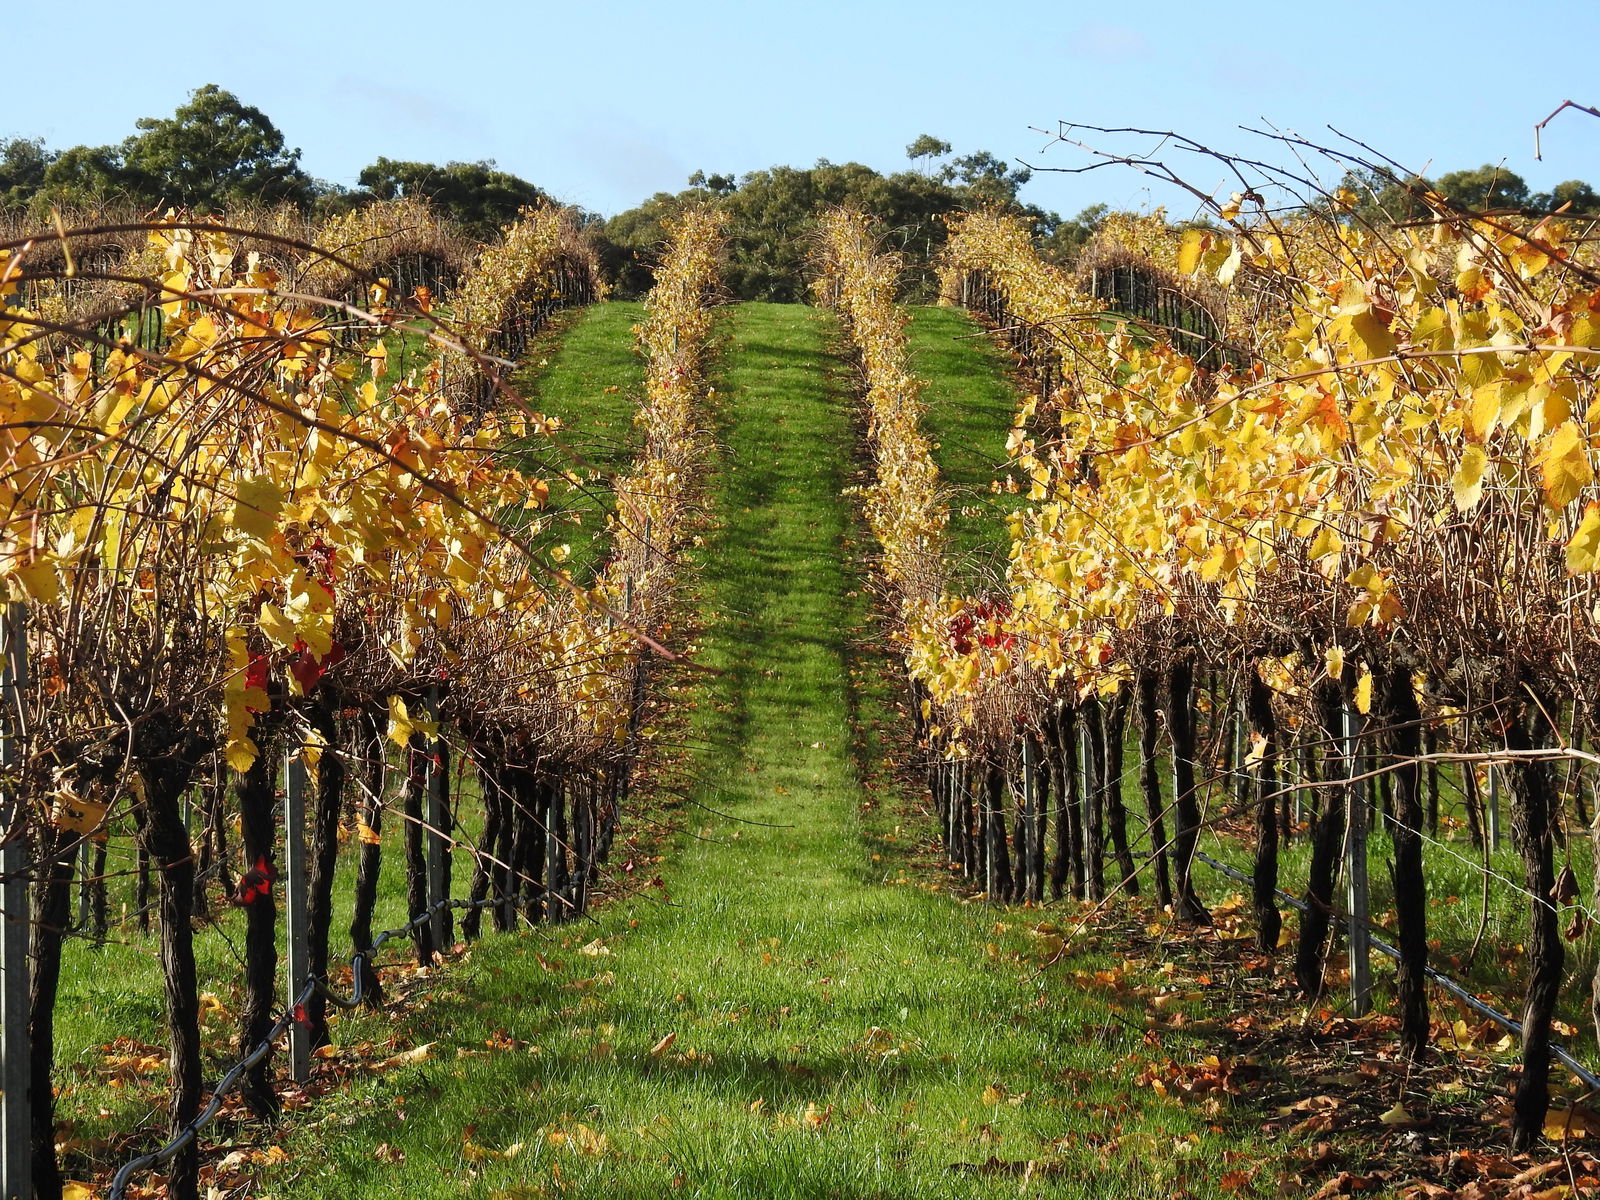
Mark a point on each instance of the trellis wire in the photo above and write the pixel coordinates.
(312, 984)
(1589, 1079)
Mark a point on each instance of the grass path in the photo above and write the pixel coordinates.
(839, 1027)
(586, 372)
(971, 401)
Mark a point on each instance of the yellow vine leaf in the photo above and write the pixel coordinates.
(38, 581)
(1583, 551)
(1230, 265)
(1195, 243)
(1363, 696)
(277, 625)
(1564, 462)
(402, 724)
(1325, 550)
(1484, 412)
(256, 506)
(1366, 334)
(240, 752)
(1468, 482)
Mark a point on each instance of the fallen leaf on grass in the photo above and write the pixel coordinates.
(1345, 1183)
(579, 1138)
(408, 1057)
(1536, 1173)
(595, 949)
(663, 1045)
(473, 1152)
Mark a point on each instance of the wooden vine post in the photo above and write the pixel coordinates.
(16, 1160)
(438, 832)
(296, 903)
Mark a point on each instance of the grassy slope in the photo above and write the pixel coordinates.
(836, 1023)
(587, 373)
(970, 405)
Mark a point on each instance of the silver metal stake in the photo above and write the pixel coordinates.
(1494, 805)
(1030, 806)
(1356, 886)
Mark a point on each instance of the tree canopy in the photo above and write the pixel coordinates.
(773, 212)
(1383, 196)
(477, 194)
(215, 153)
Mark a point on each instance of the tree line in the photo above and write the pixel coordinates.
(217, 153)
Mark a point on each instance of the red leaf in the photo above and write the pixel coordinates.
(255, 883)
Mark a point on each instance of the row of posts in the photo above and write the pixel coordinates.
(1354, 849)
(297, 890)
(16, 1157)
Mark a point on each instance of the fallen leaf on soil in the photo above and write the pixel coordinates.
(1562, 1123)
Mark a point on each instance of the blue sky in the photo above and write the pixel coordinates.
(604, 103)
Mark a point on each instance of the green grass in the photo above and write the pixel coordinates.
(114, 991)
(587, 373)
(971, 403)
(1453, 868)
(837, 1015)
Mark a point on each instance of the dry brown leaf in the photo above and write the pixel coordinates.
(408, 1057)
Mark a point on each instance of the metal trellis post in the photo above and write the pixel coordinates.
(1030, 805)
(1355, 849)
(1494, 805)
